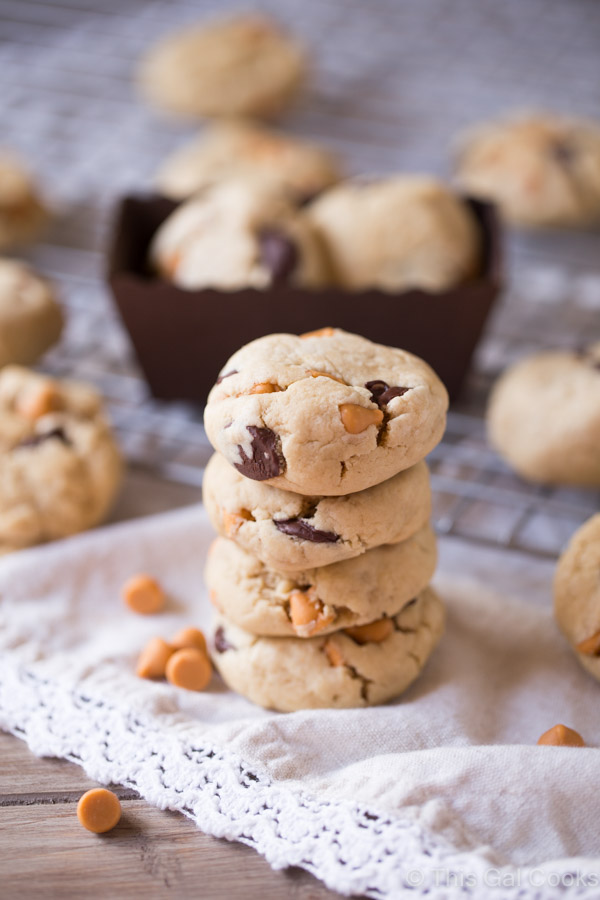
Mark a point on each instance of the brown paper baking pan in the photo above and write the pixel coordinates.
(183, 338)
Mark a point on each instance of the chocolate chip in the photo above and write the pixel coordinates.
(382, 393)
(221, 642)
(297, 528)
(37, 439)
(226, 375)
(267, 460)
(277, 253)
(563, 152)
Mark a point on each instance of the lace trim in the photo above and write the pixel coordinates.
(351, 848)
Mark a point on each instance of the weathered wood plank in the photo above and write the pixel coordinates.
(45, 853)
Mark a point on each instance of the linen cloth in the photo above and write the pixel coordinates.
(442, 792)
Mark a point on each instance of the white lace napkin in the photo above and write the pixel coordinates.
(443, 791)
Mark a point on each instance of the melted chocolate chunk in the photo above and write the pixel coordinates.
(221, 642)
(226, 375)
(37, 439)
(278, 254)
(382, 393)
(298, 528)
(267, 460)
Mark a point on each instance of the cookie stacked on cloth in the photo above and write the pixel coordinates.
(319, 491)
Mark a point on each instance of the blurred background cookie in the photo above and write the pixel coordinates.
(31, 319)
(242, 66)
(59, 465)
(577, 594)
(544, 417)
(401, 232)
(236, 149)
(244, 233)
(22, 212)
(542, 169)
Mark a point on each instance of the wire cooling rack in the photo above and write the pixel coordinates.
(393, 83)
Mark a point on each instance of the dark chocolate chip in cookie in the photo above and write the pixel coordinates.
(296, 527)
(278, 254)
(36, 439)
(225, 375)
(267, 460)
(220, 641)
(382, 393)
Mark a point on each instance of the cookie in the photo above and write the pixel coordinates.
(242, 66)
(316, 601)
(577, 594)
(59, 465)
(542, 170)
(290, 532)
(240, 149)
(398, 233)
(21, 209)
(362, 668)
(238, 234)
(327, 413)
(544, 417)
(30, 317)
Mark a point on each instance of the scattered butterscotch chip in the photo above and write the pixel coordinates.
(143, 595)
(99, 810)
(152, 662)
(373, 632)
(39, 402)
(357, 418)
(561, 736)
(190, 669)
(320, 332)
(189, 637)
(591, 645)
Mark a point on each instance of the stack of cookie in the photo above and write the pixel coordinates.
(322, 500)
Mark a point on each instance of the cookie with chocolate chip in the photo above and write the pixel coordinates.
(544, 417)
(238, 234)
(577, 594)
(362, 666)
(289, 531)
(30, 316)
(325, 413)
(59, 465)
(304, 603)
(542, 169)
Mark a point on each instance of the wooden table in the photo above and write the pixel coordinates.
(45, 853)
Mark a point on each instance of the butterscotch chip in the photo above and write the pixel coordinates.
(308, 613)
(99, 810)
(143, 595)
(233, 520)
(320, 332)
(333, 653)
(591, 645)
(315, 374)
(373, 632)
(189, 668)
(264, 387)
(153, 659)
(561, 736)
(357, 418)
(189, 637)
(39, 402)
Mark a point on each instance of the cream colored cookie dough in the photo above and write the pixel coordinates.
(542, 169)
(30, 317)
(327, 413)
(337, 670)
(577, 594)
(59, 465)
(399, 233)
(235, 235)
(544, 417)
(245, 150)
(21, 209)
(242, 66)
(291, 532)
(316, 601)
